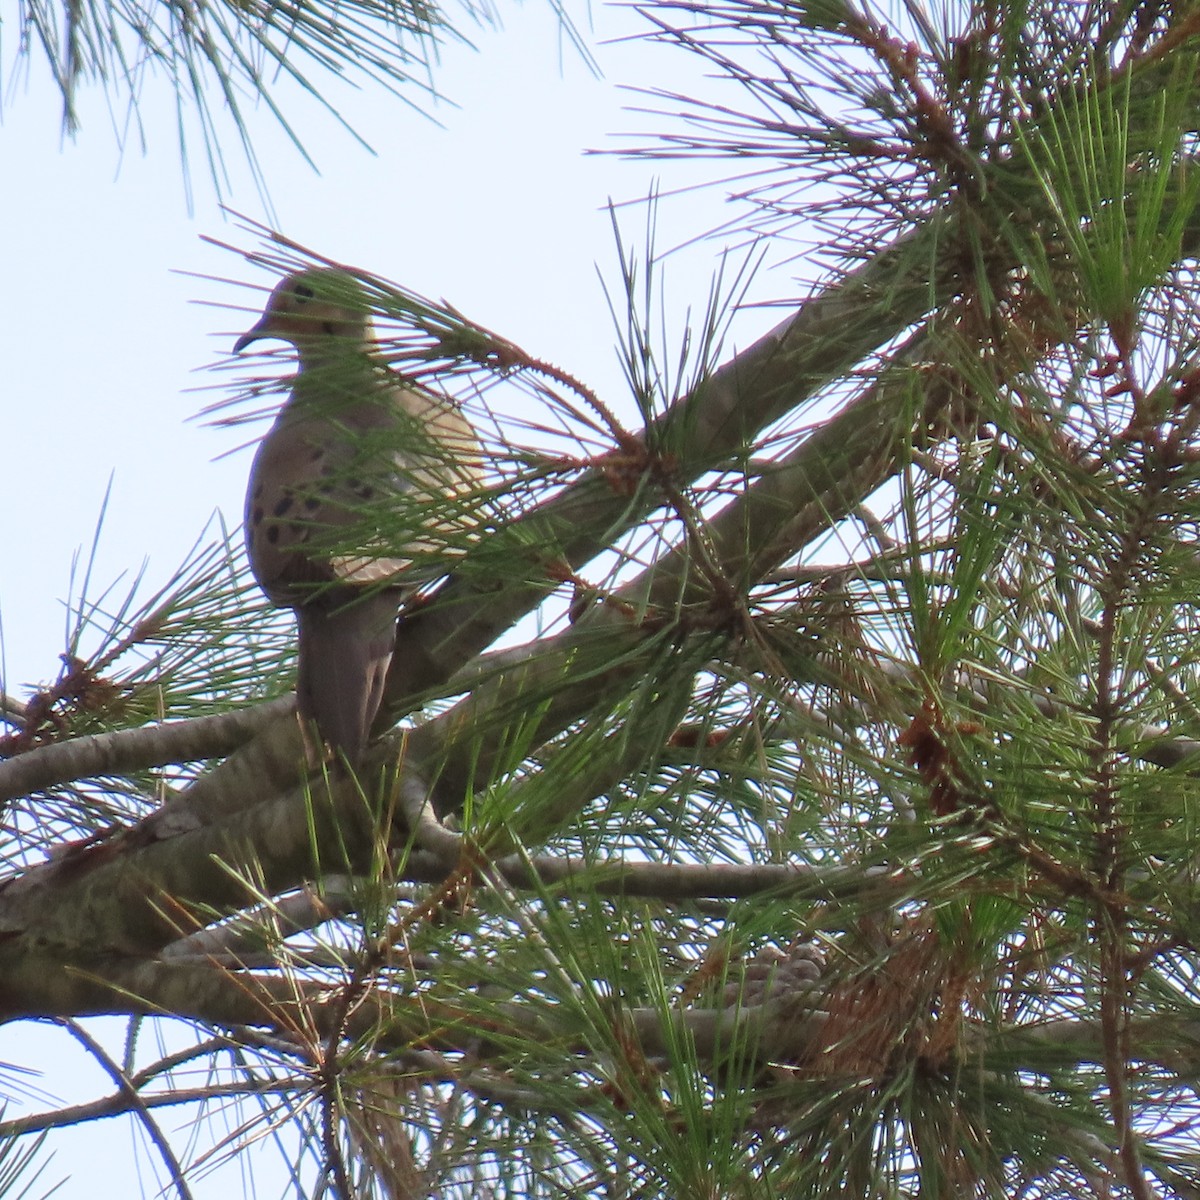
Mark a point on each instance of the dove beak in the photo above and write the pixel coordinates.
(261, 330)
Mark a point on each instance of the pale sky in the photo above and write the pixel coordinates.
(498, 211)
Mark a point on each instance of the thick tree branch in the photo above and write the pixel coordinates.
(830, 333)
(126, 750)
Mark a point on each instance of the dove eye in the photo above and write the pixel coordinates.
(302, 292)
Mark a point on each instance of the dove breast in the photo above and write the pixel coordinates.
(364, 493)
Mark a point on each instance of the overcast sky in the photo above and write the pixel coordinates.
(499, 210)
(107, 354)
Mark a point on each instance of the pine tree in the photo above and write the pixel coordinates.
(792, 795)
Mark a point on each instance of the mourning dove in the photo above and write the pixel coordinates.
(358, 493)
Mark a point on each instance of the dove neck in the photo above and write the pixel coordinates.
(333, 381)
(333, 355)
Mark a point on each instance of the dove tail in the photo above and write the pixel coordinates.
(345, 650)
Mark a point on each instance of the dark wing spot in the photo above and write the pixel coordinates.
(257, 515)
(273, 534)
(366, 491)
(282, 506)
(258, 492)
(318, 454)
(312, 503)
(329, 327)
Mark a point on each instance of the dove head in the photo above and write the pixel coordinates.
(316, 310)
